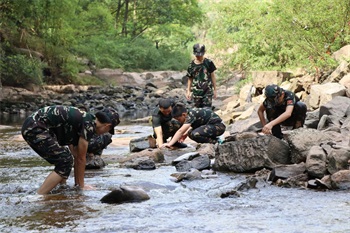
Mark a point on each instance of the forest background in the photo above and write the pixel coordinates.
(52, 41)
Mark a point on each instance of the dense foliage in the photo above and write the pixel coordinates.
(65, 37)
(279, 34)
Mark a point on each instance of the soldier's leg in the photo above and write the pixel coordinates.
(207, 101)
(46, 145)
(298, 116)
(276, 131)
(198, 101)
(207, 133)
(299, 113)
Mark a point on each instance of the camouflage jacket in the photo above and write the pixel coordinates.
(201, 116)
(201, 74)
(67, 123)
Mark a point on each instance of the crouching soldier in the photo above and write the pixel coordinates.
(164, 126)
(282, 107)
(202, 125)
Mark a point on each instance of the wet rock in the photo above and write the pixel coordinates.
(286, 171)
(301, 140)
(139, 144)
(316, 162)
(124, 194)
(191, 160)
(192, 174)
(142, 163)
(94, 162)
(338, 159)
(341, 180)
(155, 154)
(251, 154)
(187, 156)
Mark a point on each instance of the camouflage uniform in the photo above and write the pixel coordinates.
(273, 111)
(98, 143)
(168, 124)
(202, 86)
(206, 125)
(48, 130)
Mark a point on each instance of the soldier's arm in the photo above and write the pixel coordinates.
(158, 131)
(80, 162)
(213, 80)
(189, 84)
(184, 128)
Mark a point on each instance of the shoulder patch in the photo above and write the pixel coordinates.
(289, 102)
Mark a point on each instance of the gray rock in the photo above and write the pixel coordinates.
(124, 194)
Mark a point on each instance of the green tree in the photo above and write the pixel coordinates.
(276, 34)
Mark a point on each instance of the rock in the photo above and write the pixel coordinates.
(251, 154)
(124, 194)
(286, 171)
(143, 163)
(94, 162)
(139, 144)
(341, 180)
(316, 162)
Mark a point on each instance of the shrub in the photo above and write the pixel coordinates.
(19, 70)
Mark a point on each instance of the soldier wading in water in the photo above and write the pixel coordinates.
(50, 129)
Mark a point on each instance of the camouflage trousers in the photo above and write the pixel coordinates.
(207, 133)
(45, 144)
(296, 120)
(169, 129)
(203, 101)
(98, 143)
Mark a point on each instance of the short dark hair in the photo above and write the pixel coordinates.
(108, 115)
(165, 103)
(178, 109)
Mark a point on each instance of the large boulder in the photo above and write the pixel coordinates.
(301, 140)
(251, 154)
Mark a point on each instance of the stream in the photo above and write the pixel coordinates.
(177, 207)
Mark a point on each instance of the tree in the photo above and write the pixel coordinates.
(279, 34)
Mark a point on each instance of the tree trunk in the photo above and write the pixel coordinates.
(125, 21)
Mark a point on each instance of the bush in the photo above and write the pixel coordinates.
(19, 70)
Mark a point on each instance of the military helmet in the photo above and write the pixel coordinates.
(199, 49)
(272, 91)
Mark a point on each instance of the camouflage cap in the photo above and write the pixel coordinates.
(199, 49)
(271, 91)
(113, 116)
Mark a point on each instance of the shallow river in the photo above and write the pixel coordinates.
(188, 206)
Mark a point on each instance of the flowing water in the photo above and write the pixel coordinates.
(187, 206)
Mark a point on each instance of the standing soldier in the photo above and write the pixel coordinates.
(201, 79)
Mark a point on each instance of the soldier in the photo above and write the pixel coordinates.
(282, 108)
(96, 146)
(50, 129)
(164, 126)
(199, 124)
(201, 79)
